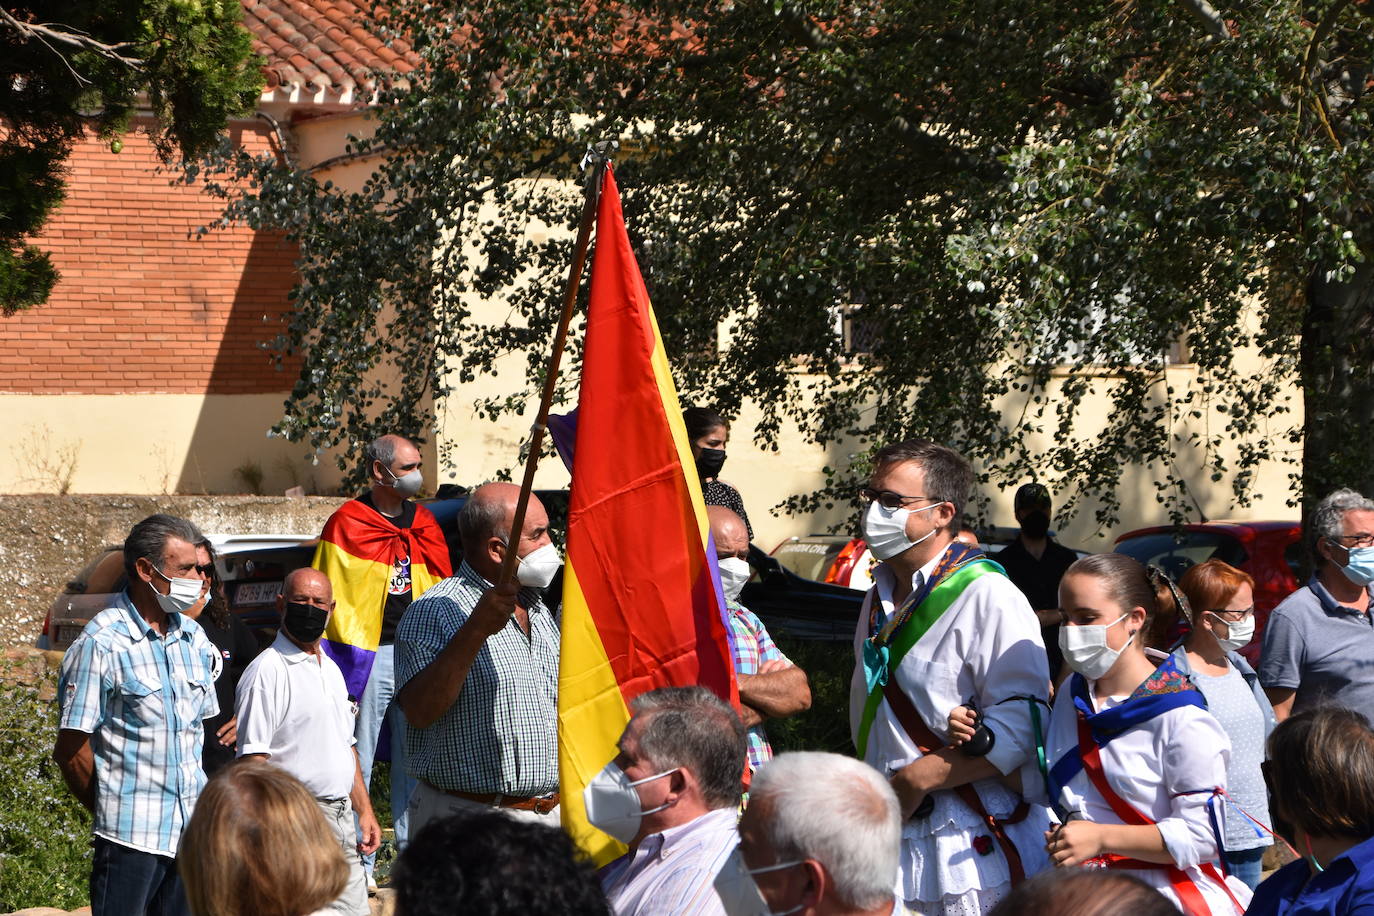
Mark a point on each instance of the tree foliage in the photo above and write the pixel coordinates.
(1025, 205)
(68, 66)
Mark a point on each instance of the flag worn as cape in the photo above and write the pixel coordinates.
(641, 604)
(358, 551)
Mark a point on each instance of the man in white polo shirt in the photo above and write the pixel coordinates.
(293, 709)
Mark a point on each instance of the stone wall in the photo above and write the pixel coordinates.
(45, 540)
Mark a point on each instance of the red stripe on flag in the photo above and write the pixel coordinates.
(634, 535)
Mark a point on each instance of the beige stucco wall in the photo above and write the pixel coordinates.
(152, 443)
(473, 449)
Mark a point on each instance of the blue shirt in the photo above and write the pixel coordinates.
(1346, 888)
(501, 735)
(1322, 648)
(141, 697)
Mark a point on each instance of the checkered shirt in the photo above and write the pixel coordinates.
(752, 647)
(141, 698)
(501, 734)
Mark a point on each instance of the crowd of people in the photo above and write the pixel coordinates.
(1041, 734)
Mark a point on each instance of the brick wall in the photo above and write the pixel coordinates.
(143, 305)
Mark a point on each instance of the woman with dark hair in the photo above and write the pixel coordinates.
(1321, 767)
(1133, 760)
(236, 646)
(708, 432)
(1217, 614)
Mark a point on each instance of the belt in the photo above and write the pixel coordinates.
(540, 804)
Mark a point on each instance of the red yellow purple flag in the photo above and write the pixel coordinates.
(640, 605)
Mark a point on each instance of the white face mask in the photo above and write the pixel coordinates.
(734, 572)
(885, 530)
(1238, 633)
(613, 804)
(739, 892)
(407, 485)
(538, 567)
(1086, 650)
(181, 597)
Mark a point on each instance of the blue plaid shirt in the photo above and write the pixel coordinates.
(141, 698)
(501, 735)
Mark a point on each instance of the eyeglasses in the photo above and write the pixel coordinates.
(889, 500)
(1354, 540)
(206, 570)
(1233, 615)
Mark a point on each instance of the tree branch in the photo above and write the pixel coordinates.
(77, 39)
(1209, 17)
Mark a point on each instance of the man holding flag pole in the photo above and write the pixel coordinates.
(632, 622)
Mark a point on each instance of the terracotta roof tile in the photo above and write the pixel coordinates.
(323, 47)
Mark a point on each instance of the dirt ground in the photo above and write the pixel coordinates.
(46, 539)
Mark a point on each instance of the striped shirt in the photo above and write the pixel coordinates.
(141, 698)
(752, 646)
(501, 734)
(674, 871)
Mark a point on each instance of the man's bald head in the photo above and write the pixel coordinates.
(308, 586)
(488, 513)
(729, 532)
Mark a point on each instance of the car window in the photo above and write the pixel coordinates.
(810, 559)
(1294, 556)
(1176, 553)
(103, 575)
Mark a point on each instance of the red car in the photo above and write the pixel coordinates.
(1271, 552)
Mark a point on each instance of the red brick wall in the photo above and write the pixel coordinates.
(143, 305)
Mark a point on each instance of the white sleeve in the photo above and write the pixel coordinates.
(1194, 761)
(260, 705)
(1008, 661)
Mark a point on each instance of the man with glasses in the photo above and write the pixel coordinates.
(134, 689)
(942, 627)
(1319, 642)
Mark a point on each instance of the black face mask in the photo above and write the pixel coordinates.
(1036, 524)
(709, 462)
(304, 621)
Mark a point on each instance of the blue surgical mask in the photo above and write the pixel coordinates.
(1359, 565)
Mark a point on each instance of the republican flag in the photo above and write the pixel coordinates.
(641, 601)
(359, 551)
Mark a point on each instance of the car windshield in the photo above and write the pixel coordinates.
(1175, 553)
(810, 558)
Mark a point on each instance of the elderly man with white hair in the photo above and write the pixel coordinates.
(1319, 640)
(820, 837)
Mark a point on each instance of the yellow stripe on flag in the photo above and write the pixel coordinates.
(591, 715)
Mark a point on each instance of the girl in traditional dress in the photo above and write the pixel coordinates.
(1133, 761)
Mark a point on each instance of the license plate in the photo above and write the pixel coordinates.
(64, 636)
(256, 593)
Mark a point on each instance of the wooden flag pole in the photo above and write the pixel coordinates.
(598, 157)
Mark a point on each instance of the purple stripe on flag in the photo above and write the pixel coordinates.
(355, 663)
(714, 564)
(563, 428)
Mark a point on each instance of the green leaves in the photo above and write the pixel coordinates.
(70, 66)
(1032, 213)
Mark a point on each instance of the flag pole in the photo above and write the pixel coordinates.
(595, 162)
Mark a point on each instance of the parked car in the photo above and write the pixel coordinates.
(799, 606)
(252, 568)
(1270, 551)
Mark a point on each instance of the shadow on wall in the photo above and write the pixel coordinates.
(229, 450)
